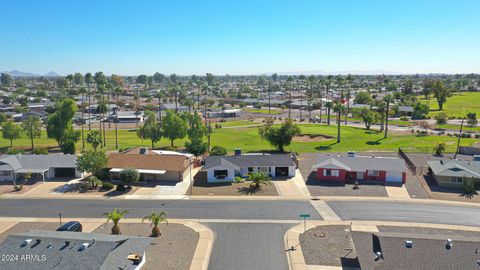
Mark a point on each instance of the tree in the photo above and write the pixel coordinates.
(155, 219)
(439, 149)
(60, 125)
(441, 92)
(141, 79)
(174, 127)
(368, 116)
(441, 118)
(196, 146)
(339, 108)
(129, 176)
(92, 161)
(472, 119)
(11, 132)
(151, 129)
(115, 216)
(6, 79)
(388, 98)
(420, 110)
(32, 128)
(258, 179)
(94, 137)
(329, 106)
(363, 97)
(218, 151)
(279, 137)
(196, 129)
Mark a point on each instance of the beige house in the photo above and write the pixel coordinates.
(151, 165)
(450, 173)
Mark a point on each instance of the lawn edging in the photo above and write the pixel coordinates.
(296, 260)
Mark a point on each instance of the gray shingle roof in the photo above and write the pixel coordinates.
(428, 251)
(37, 162)
(360, 163)
(109, 251)
(455, 168)
(249, 160)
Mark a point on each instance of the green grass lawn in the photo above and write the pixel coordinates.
(247, 138)
(236, 123)
(457, 105)
(264, 111)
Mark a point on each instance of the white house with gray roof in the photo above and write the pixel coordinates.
(226, 168)
(450, 173)
(46, 167)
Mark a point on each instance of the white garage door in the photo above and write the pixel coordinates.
(394, 177)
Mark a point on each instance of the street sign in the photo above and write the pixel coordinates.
(304, 215)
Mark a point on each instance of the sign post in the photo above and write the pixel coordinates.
(304, 216)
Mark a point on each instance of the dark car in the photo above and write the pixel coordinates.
(71, 226)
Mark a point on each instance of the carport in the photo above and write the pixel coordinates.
(30, 170)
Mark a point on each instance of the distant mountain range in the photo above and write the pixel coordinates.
(17, 73)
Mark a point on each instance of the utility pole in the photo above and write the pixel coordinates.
(458, 142)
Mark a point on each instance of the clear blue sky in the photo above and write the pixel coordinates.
(240, 37)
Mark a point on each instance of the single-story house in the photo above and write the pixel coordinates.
(405, 110)
(151, 165)
(450, 173)
(37, 250)
(225, 113)
(225, 168)
(359, 168)
(391, 250)
(46, 167)
(127, 117)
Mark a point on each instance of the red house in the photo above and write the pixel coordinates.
(359, 168)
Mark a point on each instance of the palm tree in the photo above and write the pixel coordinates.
(258, 179)
(329, 106)
(88, 82)
(300, 90)
(155, 219)
(83, 91)
(387, 98)
(94, 137)
(117, 92)
(161, 96)
(348, 95)
(312, 82)
(289, 86)
(339, 108)
(115, 216)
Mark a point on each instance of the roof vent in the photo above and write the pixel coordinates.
(37, 242)
(26, 242)
(449, 244)
(143, 151)
(49, 245)
(351, 154)
(238, 152)
(378, 255)
(409, 244)
(83, 247)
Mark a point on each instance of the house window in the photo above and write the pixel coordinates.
(329, 172)
(250, 169)
(6, 173)
(373, 173)
(220, 174)
(456, 179)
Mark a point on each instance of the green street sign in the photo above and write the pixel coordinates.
(304, 215)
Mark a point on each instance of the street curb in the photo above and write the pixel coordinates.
(201, 257)
(296, 260)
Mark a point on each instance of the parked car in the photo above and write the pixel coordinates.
(71, 226)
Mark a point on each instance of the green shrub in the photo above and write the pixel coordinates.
(15, 152)
(103, 174)
(129, 176)
(238, 179)
(218, 151)
(107, 186)
(40, 151)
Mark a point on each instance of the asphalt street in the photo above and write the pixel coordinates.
(407, 212)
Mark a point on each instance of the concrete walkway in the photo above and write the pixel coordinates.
(397, 192)
(324, 210)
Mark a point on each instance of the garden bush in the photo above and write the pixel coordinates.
(107, 186)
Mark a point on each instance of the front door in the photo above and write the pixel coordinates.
(359, 175)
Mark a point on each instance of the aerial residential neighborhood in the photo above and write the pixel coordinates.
(239, 135)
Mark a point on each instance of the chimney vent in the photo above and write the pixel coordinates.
(378, 255)
(84, 246)
(409, 244)
(26, 242)
(143, 151)
(449, 244)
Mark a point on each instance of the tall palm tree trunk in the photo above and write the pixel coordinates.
(83, 119)
(338, 127)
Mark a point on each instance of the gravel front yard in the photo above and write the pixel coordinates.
(201, 187)
(173, 250)
(329, 245)
(27, 226)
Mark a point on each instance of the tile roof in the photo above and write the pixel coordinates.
(428, 251)
(455, 168)
(361, 163)
(109, 252)
(251, 160)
